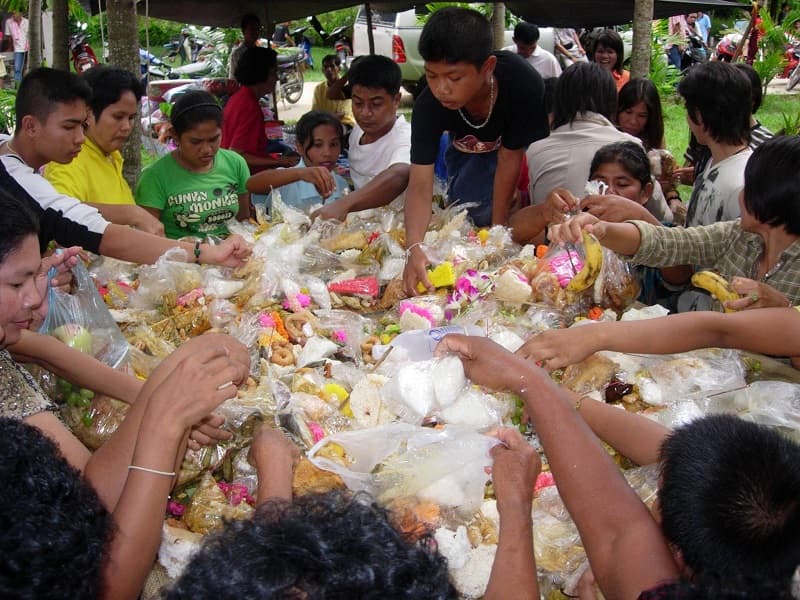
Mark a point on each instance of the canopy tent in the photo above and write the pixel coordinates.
(546, 13)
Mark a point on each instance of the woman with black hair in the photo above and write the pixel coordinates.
(609, 53)
(197, 188)
(639, 113)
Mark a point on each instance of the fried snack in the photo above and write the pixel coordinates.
(591, 374)
(308, 479)
(345, 241)
(414, 518)
(481, 531)
(366, 348)
(209, 508)
(295, 324)
(281, 354)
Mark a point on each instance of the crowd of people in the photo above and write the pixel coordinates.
(728, 522)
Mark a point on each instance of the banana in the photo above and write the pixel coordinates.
(716, 285)
(592, 264)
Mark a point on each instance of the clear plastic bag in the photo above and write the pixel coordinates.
(445, 466)
(82, 321)
(771, 403)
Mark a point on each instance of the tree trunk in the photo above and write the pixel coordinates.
(60, 34)
(34, 34)
(642, 38)
(498, 24)
(123, 51)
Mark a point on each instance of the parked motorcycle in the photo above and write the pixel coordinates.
(83, 57)
(726, 48)
(186, 48)
(342, 45)
(302, 41)
(290, 74)
(695, 53)
(151, 67)
(793, 55)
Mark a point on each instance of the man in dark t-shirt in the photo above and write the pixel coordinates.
(492, 105)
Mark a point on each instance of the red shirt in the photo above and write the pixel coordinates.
(243, 124)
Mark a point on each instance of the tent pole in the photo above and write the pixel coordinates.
(370, 36)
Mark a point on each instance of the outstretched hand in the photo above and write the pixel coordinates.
(571, 231)
(515, 469)
(230, 253)
(416, 272)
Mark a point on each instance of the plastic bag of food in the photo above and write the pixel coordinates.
(445, 466)
(771, 403)
(94, 423)
(82, 321)
(616, 287)
(210, 507)
(421, 312)
(169, 275)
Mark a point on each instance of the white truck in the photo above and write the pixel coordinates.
(396, 35)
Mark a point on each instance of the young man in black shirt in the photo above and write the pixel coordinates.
(492, 106)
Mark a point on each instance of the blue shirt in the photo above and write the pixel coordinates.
(703, 25)
(303, 195)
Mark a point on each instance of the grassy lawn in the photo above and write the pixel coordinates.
(771, 115)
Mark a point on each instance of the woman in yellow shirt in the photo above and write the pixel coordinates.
(95, 175)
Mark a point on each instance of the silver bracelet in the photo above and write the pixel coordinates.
(410, 248)
(153, 471)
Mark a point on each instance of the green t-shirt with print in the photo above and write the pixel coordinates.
(194, 203)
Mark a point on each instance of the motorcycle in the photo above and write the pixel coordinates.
(187, 48)
(793, 68)
(302, 41)
(694, 54)
(151, 67)
(342, 46)
(726, 48)
(83, 57)
(290, 74)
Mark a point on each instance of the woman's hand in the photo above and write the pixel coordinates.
(756, 295)
(558, 203)
(63, 262)
(559, 348)
(615, 209)
(321, 178)
(571, 231)
(230, 253)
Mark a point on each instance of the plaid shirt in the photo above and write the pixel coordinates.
(721, 247)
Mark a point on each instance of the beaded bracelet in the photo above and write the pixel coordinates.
(197, 253)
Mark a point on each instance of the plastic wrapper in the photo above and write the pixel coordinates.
(94, 425)
(770, 403)
(217, 285)
(170, 275)
(210, 507)
(421, 312)
(698, 374)
(512, 287)
(616, 287)
(82, 320)
(445, 466)
(347, 329)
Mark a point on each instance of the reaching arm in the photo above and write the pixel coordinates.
(131, 214)
(514, 471)
(529, 224)
(767, 331)
(381, 190)
(76, 367)
(417, 213)
(625, 546)
(505, 182)
(259, 162)
(274, 457)
(622, 238)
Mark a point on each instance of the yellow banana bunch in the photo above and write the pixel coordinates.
(716, 285)
(591, 266)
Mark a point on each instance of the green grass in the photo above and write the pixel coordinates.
(676, 131)
(317, 53)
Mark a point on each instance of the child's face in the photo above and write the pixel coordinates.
(18, 293)
(620, 182)
(326, 145)
(60, 138)
(634, 119)
(455, 85)
(374, 109)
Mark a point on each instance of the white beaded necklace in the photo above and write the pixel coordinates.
(491, 108)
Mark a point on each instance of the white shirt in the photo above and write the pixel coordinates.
(48, 197)
(21, 30)
(370, 160)
(541, 60)
(563, 158)
(715, 195)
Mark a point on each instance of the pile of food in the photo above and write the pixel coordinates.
(343, 363)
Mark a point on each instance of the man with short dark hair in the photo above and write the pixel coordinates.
(341, 107)
(526, 44)
(251, 29)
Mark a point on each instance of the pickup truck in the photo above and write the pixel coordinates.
(396, 35)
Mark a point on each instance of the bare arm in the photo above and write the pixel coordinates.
(529, 224)
(505, 182)
(274, 457)
(265, 162)
(335, 90)
(130, 214)
(766, 331)
(625, 545)
(622, 238)
(120, 241)
(417, 213)
(76, 367)
(514, 471)
(244, 207)
(380, 190)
